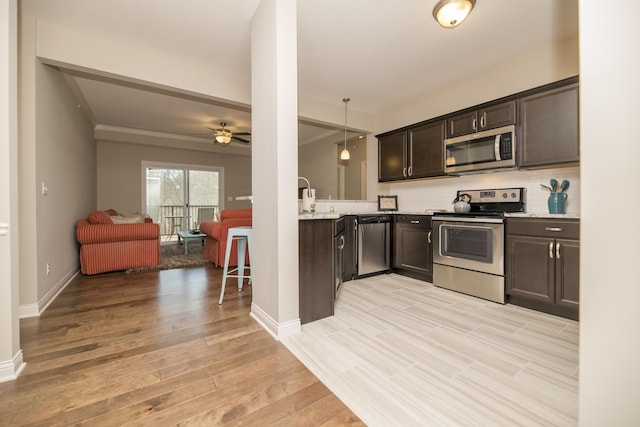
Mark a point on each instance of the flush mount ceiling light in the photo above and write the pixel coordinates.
(344, 155)
(451, 13)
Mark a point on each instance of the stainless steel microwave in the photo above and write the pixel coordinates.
(492, 149)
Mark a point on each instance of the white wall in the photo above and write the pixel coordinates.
(610, 251)
(119, 166)
(57, 149)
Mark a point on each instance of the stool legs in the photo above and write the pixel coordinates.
(242, 240)
(225, 272)
(242, 246)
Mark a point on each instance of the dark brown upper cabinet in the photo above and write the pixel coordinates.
(549, 132)
(412, 153)
(484, 118)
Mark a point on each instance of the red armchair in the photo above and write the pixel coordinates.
(105, 246)
(216, 242)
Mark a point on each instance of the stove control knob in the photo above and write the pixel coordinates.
(513, 195)
(504, 195)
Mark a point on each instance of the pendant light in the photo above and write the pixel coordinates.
(451, 13)
(344, 155)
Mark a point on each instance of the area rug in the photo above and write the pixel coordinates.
(172, 256)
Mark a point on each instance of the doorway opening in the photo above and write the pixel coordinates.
(180, 197)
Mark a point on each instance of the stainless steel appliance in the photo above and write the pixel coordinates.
(482, 151)
(468, 253)
(374, 240)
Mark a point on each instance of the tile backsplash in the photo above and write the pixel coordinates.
(420, 195)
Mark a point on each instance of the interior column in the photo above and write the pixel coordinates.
(11, 363)
(274, 155)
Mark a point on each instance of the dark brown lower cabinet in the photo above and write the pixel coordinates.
(318, 248)
(412, 247)
(543, 265)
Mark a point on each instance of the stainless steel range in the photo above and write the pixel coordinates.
(469, 247)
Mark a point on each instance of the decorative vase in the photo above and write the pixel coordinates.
(557, 203)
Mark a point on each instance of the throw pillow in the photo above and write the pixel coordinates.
(99, 217)
(119, 219)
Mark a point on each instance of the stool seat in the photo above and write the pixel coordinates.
(241, 235)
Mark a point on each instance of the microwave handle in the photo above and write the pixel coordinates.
(496, 148)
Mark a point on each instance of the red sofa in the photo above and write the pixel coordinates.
(216, 242)
(105, 246)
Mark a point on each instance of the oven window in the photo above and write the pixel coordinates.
(472, 243)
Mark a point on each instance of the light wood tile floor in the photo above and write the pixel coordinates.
(401, 352)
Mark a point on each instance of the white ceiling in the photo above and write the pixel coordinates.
(379, 53)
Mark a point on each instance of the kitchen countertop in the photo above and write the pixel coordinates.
(336, 215)
(542, 215)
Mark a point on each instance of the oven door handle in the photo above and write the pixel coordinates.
(496, 148)
(468, 219)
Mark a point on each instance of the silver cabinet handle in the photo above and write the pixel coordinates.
(483, 120)
(553, 229)
(557, 250)
(551, 250)
(474, 124)
(404, 172)
(429, 237)
(413, 221)
(410, 170)
(451, 126)
(341, 242)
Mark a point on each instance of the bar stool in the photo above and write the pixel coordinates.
(242, 235)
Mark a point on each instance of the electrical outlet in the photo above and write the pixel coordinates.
(48, 268)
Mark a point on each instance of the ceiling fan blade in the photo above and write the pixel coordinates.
(242, 133)
(244, 141)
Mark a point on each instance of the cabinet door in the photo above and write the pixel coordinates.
(496, 116)
(413, 250)
(316, 269)
(568, 273)
(426, 150)
(392, 157)
(462, 124)
(531, 268)
(550, 127)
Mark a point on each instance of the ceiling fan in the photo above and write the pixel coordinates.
(224, 136)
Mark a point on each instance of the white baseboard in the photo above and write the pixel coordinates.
(35, 310)
(28, 310)
(10, 369)
(277, 330)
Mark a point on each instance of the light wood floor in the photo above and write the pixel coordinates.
(401, 352)
(156, 349)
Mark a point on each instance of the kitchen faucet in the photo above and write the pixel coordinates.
(308, 185)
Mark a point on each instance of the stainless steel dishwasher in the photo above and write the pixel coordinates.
(374, 240)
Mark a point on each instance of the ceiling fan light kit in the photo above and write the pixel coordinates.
(344, 155)
(224, 136)
(451, 13)
(223, 139)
